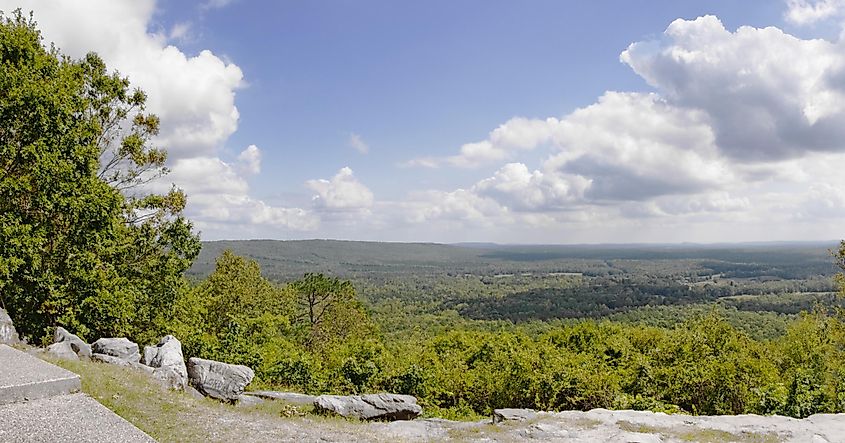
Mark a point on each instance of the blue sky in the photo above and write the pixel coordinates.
(500, 121)
(420, 78)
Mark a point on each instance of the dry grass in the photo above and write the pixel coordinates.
(174, 416)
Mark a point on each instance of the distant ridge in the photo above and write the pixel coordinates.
(286, 260)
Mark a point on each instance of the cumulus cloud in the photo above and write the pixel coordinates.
(515, 187)
(741, 122)
(193, 95)
(805, 12)
(250, 160)
(357, 143)
(460, 205)
(225, 197)
(517, 134)
(343, 192)
(768, 95)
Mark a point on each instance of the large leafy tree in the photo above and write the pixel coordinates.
(82, 242)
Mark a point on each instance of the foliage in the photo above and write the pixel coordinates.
(698, 363)
(238, 316)
(81, 245)
(327, 310)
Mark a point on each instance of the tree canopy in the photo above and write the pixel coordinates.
(83, 243)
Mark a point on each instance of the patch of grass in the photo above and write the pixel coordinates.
(699, 435)
(584, 423)
(131, 394)
(717, 436)
(632, 427)
(175, 416)
(473, 432)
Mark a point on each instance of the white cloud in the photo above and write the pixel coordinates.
(193, 95)
(342, 193)
(459, 205)
(517, 134)
(225, 197)
(515, 187)
(216, 4)
(250, 160)
(179, 31)
(767, 95)
(358, 144)
(806, 12)
(746, 128)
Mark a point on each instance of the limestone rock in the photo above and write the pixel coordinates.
(507, 414)
(112, 360)
(293, 398)
(62, 351)
(219, 380)
(167, 359)
(78, 346)
(121, 348)
(370, 407)
(8, 334)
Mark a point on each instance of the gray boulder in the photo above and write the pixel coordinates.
(370, 407)
(8, 334)
(62, 351)
(219, 380)
(508, 414)
(117, 361)
(167, 359)
(121, 348)
(78, 346)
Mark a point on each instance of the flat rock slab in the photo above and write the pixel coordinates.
(601, 425)
(384, 406)
(24, 377)
(66, 418)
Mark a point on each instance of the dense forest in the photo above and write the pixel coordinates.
(84, 244)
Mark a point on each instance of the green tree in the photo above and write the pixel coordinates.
(82, 244)
(235, 315)
(328, 310)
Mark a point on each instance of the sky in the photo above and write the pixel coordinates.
(486, 121)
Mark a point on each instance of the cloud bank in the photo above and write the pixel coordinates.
(740, 127)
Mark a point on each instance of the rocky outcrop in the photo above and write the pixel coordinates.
(62, 351)
(168, 362)
(387, 407)
(601, 425)
(507, 414)
(77, 345)
(121, 348)
(112, 360)
(8, 334)
(219, 380)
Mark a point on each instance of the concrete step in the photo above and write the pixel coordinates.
(66, 418)
(24, 377)
(40, 402)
